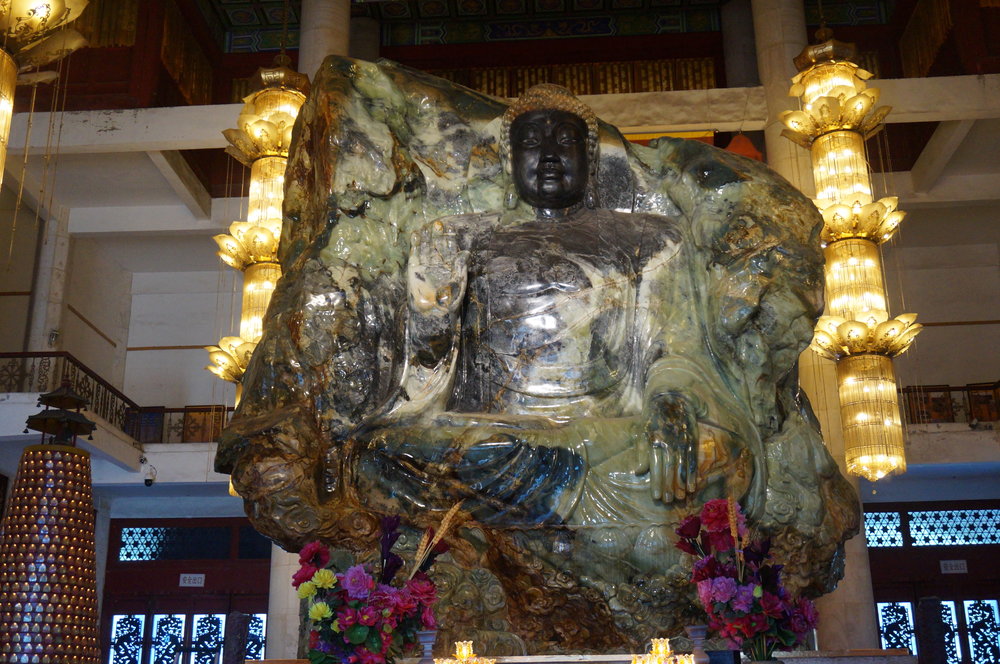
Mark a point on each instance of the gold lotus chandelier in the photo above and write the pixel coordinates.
(839, 112)
(29, 41)
(261, 142)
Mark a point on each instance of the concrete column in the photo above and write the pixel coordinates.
(847, 615)
(49, 288)
(283, 604)
(738, 44)
(365, 39)
(326, 27)
(780, 34)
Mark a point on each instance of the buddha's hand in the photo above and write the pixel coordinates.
(670, 443)
(436, 271)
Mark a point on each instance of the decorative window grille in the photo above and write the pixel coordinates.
(952, 644)
(955, 527)
(126, 638)
(895, 624)
(255, 640)
(168, 637)
(170, 543)
(883, 529)
(207, 637)
(983, 629)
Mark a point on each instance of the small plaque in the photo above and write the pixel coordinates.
(954, 567)
(198, 580)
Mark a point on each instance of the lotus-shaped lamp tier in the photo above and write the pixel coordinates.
(836, 337)
(876, 221)
(248, 243)
(230, 357)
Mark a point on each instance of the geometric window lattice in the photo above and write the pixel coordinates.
(168, 637)
(981, 621)
(895, 624)
(255, 637)
(883, 529)
(952, 646)
(207, 637)
(126, 639)
(164, 543)
(955, 527)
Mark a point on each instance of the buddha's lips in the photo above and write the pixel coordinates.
(550, 171)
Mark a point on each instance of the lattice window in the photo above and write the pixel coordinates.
(895, 624)
(255, 639)
(983, 626)
(207, 637)
(955, 527)
(883, 529)
(126, 638)
(165, 543)
(953, 648)
(168, 637)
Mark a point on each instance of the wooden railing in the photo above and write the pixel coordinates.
(972, 404)
(44, 371)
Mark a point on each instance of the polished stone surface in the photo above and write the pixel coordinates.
(581, 377)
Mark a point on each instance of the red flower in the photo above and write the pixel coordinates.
(314, 554)
(427, 618)
(347, 617)
(689, 527)
(772, 605)
(715, 515)
(305, 573)
(422, 589)
(313, 639)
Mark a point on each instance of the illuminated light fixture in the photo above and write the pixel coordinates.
(261, 142)
(48, 584)
(28, 42)
(838, 113)
(464, 654)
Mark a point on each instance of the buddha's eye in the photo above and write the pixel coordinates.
(529, 136)
(568, 134)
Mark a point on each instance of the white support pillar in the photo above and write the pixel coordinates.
(847, 615)
(49, 289)
(326, 29)
(283, 622)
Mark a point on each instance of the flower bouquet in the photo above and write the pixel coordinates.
(739, 586)
(357, 614)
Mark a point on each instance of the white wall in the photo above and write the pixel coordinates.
(171, 309)
(16, 265)
(945, 267)
(97, 296)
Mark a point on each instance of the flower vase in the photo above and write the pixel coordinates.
(426, 639)
(697, 634)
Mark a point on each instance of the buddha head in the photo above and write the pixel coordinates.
(549, 143)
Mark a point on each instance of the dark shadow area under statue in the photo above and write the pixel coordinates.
(581, 338)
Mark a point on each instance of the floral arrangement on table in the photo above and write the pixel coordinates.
(739, 585)
(357, 614)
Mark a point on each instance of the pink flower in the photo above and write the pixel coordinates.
(347, 617)
(427, 618)
(368, 657)
(705, 593)
(715, 515)
(357, 582)
(368, 615)
(422, 589)
(305, 573)
(314, 554)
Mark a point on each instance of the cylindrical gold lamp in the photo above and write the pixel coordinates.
(855, 288)
(869, 412)
(8, 81)
(48, 584)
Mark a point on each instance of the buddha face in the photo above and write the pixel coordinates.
(549, 158)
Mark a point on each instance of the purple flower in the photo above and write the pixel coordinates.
(723, 589)
(358, 582)
(744, 598)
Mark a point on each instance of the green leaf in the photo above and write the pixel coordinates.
(374, 641)
(318, 657)
(357, 634)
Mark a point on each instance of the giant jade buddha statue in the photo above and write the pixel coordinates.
(580, 338)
